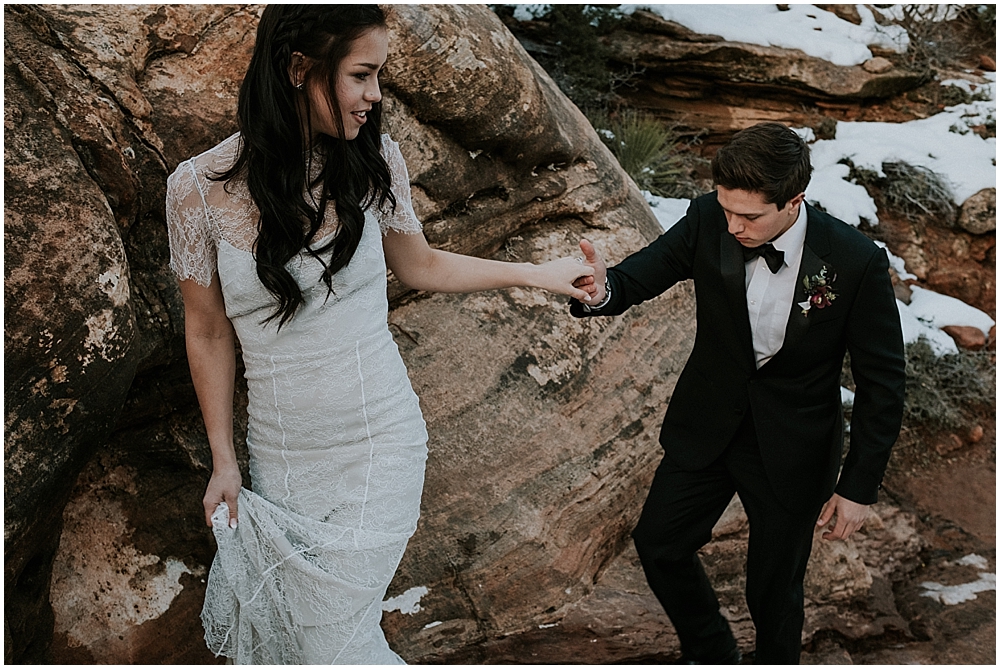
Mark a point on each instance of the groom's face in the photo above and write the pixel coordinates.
(752, 220)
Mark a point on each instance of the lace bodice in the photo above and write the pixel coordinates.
(202, 212)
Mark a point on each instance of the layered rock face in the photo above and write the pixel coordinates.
(955, 257)
(703, 81)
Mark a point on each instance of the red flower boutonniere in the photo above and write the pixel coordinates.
(819, 291)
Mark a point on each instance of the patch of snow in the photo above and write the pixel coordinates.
(964, 84)
(545, 627)
(808, 28)
(971, 560)
(806, 134)
(846, 397)
(667, 210)
(897, 263)
(407, 603)
(914, 329)
(433, 624)
(529, 12)
(937, 310)
(830, 189)
(956, 594)
(943, 143)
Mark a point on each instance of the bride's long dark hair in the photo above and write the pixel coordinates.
(272, 157)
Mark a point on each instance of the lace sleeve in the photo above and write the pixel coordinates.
(192, 245)
(403, 219)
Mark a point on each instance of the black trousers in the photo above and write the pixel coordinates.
(677, 520)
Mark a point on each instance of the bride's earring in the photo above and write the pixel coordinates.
(297, 71)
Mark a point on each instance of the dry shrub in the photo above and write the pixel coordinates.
(912, 191)
(937, 36)
(947, 392)
(918, 194)
(943, 393)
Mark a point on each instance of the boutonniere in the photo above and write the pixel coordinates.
(819, 291)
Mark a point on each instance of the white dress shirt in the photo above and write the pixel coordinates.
(770, 296)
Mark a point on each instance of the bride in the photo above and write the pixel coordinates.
(281, 236)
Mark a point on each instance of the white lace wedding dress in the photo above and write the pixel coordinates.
(336, 439)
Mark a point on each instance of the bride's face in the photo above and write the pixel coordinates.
(357, 87)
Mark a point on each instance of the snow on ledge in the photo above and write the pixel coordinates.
(814, 31)
(897, 263)
(407, 603)
(939, 311)
(970, 560)
(846, 397)
(914, 329)
(667, 210)
(956, 594)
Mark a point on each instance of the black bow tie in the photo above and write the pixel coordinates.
(772, 256)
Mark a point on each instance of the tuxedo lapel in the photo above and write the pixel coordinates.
(817, 246)
(733, 269)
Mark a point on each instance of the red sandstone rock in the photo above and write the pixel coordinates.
(987, 63)
(900, 288)
(847, 12)
(974, 285)
(619, 620)
(877, 65)
(666, 60)
(949, 444)
(976, 434)
(979, 213)
(967, 337)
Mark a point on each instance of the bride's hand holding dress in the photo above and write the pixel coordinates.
(210, 343)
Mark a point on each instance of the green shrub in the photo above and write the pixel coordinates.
(650, 152)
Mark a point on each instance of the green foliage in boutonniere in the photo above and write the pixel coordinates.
(819, 291)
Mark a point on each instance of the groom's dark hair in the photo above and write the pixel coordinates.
(767, 158)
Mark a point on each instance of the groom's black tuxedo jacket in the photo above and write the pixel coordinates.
(795, 397)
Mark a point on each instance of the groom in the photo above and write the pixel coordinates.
(783, 290)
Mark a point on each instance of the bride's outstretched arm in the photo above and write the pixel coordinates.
(211, 353)
(419, 266)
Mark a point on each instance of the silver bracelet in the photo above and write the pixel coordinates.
(607, 298)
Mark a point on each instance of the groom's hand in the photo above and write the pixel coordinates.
(850, 517)
(594, 285)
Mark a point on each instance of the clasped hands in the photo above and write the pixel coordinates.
(592, 284)
(581, 277)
